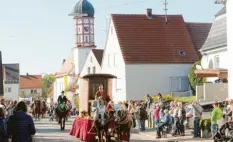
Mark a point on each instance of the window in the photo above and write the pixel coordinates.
(9, 90)
(88, 70)
(216, 62)
(86, 38)
(115, 60)
(93, 69)
(210, 64)
(79, 30)
(184, 82)
(182, 53)
(31, 91)
(79, 38)
(35, 91)
(174, 84)
(179, 83)
(92, 38)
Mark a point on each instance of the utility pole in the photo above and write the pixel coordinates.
(165, 9)
(106, 26)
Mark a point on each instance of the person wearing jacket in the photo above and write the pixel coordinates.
(156, 114)
(166, 120)
(3, 126)
(197, 114)
(137, 116)
(20, 125)
(215, 116)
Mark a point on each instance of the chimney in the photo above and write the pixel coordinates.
(64, 60)
(149, 13)
(27, 74)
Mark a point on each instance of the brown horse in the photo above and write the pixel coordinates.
(61, 114)
(43, 109)
(36, 107)
(124, 122)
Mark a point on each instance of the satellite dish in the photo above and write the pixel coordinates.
(198, 67)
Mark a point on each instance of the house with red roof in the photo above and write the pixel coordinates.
(151, 54)
(66, 80)
(30, 86)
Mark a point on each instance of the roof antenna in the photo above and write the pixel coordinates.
(165, 9)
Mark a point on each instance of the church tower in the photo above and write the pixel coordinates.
(83, 14)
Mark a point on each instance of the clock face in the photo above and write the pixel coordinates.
(86, 29)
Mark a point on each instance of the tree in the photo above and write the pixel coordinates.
(193, 79)
(47, 83)
(22, 95)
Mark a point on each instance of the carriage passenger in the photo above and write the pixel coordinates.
(110, 106)
(101, 93)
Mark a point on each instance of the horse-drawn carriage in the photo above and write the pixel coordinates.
(108, 124)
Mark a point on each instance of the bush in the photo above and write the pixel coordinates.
(168, 97)
(205, 123)
(185, 100)
(193, 79)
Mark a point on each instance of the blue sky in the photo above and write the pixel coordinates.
(38, 34)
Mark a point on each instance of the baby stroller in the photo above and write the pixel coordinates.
(225, 133)
(166, 130)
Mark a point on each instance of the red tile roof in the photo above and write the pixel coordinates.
(198, 32)
(30, 81)
(144, 40)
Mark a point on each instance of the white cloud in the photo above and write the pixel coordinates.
(12, 38)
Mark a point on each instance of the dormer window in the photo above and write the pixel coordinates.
(182, 53)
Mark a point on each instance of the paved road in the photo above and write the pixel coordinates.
(50, 132)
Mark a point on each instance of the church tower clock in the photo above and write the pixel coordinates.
(83, 14)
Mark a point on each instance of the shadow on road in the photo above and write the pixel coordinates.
(41, 130)
(51, 123)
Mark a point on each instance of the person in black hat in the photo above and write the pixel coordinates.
(62, 99)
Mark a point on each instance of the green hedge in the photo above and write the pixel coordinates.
(205, 123)
(168, 97)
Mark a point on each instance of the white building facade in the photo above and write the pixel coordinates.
(135, 80)
(11, 82)
(214, 50)
(63, 83)
(65, 80)
(30, 86)
(93, 62)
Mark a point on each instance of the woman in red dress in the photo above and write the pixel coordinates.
(101, 93)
